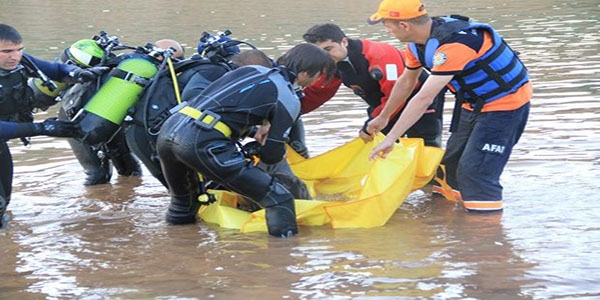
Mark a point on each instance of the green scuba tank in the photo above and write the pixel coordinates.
(105, 111)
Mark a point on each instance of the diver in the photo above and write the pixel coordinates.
(215, 56)
(97, 160)
(163, 93)
(17, 101)
(202, 136)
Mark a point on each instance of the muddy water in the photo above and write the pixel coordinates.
(66, 241)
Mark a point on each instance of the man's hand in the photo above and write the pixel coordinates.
(252, 148)
(377, 124)
(87, 74)
(262, 133)
(57, 128)
(365, 136)
(382, 149)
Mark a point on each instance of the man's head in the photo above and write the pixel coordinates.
(308, 62)
(176, 46)
(398, 10)
(11, 47)
(330, 38)
(404, 19)
(252, 57)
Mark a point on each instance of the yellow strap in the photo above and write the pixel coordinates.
(174, 78)
(195, 114)
(446, 190)
(255, 160)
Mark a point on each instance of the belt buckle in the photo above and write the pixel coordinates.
(177, 107)
(200, 121)
(129, 76)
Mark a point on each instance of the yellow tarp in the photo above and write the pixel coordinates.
(349, 190)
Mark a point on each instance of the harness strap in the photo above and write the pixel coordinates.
(128, 76)
(206, 119)
(444, 188)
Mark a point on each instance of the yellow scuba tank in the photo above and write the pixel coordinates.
(43, 97)
(104, 113)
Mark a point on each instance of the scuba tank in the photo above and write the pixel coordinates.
(43, 96)
(104, 113)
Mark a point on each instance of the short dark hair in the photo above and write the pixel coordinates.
(324, 32)
(307, 58)
(8, 33)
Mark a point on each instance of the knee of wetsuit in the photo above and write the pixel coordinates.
(280, 211)
(127, 165)
(183, 209)
(3, 206)
(98, 175)
(122, 158)
(293, 184)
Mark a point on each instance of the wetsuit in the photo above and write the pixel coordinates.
(370, 70)
(16, 105)
(202, 136)
(493, 105)
(193, 75)
(11, 130)
(97, 160)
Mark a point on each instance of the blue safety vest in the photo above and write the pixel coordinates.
(497, 73)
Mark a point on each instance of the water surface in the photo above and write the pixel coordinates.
(67, 241)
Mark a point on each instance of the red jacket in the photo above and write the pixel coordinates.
(371, 74)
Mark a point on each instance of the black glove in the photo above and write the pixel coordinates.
(87, 74)
(56, 128)
(252, 148)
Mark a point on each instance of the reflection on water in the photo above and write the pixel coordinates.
(67, 241)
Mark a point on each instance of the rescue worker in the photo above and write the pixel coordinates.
(214, 56)
(193, 75)
(16, 100)
(152, 109)
(370, 69)
(97, 161)
(492, 90)
(179, 51)
(202, 136)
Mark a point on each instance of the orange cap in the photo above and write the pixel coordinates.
(398, 9)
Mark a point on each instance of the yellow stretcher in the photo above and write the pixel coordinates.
(349, 190)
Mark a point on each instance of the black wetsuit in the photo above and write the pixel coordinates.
(240, 100)
(11, 130)
(97, 166)
(194, 74)
(16, 105)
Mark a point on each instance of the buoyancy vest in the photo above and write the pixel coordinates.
(15, 96)
(76, 96)
(159, 96)
(495, 74)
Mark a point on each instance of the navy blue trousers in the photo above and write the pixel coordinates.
(478, 150)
